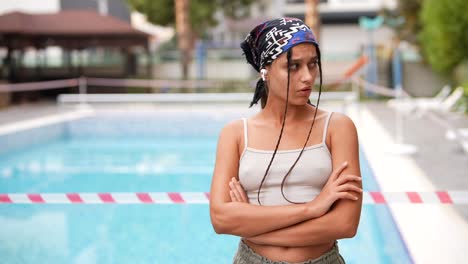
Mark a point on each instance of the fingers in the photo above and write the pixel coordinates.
(234, 191)
(237, 191)
(241, 191)
(347, 195)
(348, 187)
(233, 197)
(338, 171)
(348, 178)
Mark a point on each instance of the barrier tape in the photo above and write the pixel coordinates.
(177, 84)
(153, 83)
(369, 197)
(378, 89)
(34, 86)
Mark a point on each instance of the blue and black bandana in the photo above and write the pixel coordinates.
(272, 38)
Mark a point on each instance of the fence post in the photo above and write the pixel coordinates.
(399, 147)
(83, 90)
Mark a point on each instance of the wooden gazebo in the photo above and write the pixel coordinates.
(70, 30)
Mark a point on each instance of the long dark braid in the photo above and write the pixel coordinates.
(288, 56)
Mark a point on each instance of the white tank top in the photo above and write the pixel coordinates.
(303, 184)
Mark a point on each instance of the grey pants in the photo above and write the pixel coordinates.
(245, 255)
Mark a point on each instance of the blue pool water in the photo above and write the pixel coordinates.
(139, 152)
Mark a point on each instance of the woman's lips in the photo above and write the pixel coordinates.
(304, 92)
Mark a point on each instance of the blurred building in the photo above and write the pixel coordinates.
(339, 11)
(52, 39)
(60, 40)
(341, 38)
(345, 13)
(115, 8)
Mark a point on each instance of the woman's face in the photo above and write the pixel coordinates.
(303, 71)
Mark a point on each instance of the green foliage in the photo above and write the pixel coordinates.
(410, 10)
(460, 73)
(202, 12)
(159, 12)
(202, 15)
(444, 36)
(463, 103)
(235, 8)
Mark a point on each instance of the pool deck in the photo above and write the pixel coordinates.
(433, 233)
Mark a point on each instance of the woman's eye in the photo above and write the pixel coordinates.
(293, 66)
(313, 64)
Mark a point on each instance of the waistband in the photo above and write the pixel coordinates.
(245, 255)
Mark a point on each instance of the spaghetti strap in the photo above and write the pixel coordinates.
(325, 128)
(245, 133)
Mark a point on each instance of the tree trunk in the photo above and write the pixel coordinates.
(183, 34)
(10, 64)
(312, 17)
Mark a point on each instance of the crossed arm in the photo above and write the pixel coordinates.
(290, 225)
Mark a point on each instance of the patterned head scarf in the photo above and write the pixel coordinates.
(272, 38)
(269, 40)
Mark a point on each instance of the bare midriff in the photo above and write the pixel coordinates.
(290, 254)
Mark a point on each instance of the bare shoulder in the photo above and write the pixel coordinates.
(231, 133)
(232, 129)
(342, 125)
(344, 143)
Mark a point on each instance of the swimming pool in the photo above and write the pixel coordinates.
(137, 152)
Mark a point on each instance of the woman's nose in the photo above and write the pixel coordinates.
(307, 75)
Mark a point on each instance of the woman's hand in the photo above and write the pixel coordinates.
(237, 192)
(337, 187)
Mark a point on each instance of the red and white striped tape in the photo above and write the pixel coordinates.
(35, 86)
(378, 89)
(108, 82)
(328, 79)
(441, 197)
(103, 198)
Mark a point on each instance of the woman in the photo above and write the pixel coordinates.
(291, 201)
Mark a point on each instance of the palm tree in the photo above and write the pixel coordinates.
(312, 18)
(184, 32)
